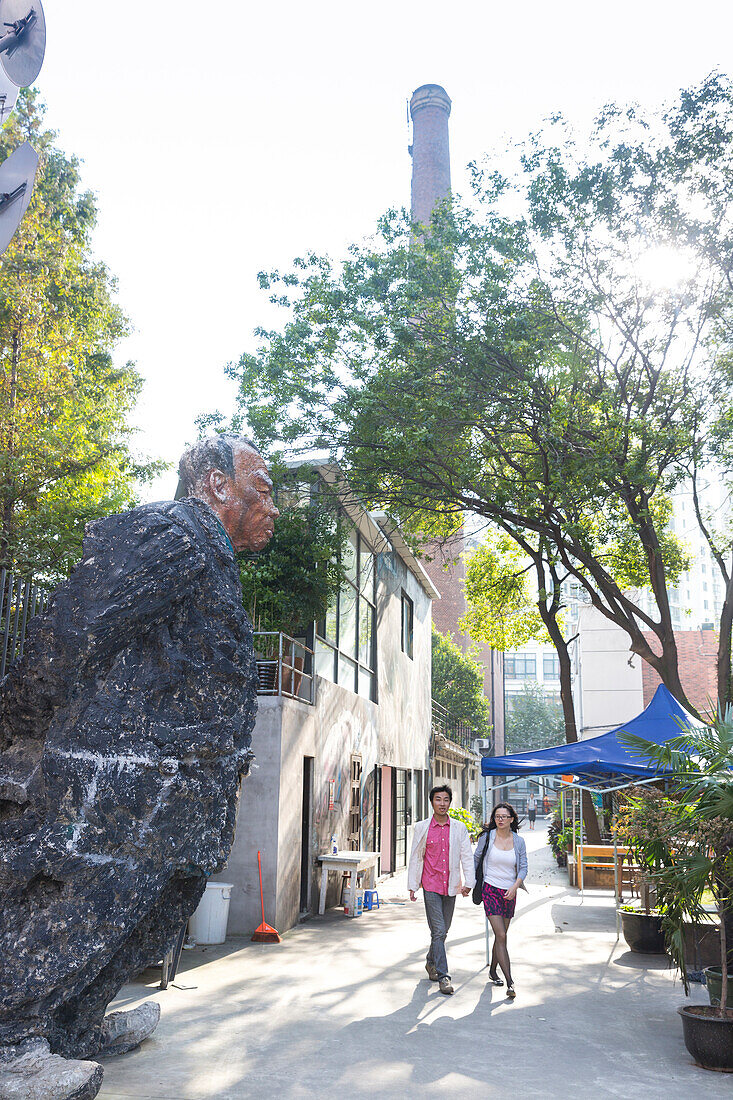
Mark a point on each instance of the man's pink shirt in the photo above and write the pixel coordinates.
(435, 865)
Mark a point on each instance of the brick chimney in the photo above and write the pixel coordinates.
(429, 110)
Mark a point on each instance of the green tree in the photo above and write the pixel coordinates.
(502, 602)
(524, 361)
(533, 722)
(458, 685)
(64, 433)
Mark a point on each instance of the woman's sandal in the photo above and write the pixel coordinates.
(495, 979)
(511, 992)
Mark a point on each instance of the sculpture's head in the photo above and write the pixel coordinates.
(229, 474)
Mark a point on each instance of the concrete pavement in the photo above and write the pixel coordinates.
(344, 1008)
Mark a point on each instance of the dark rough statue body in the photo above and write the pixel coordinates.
(124, 732)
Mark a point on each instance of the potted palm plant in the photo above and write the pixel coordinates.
(556, 840)
(638, 827)
(689, 858)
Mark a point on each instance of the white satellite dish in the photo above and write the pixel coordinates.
(17, 176)
(8, 97)
(23, 42)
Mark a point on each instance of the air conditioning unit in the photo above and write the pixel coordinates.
(481, 743)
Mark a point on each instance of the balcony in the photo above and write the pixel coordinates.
(453, 729)
(284, 667)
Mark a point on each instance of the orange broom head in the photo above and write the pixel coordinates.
(265, 933)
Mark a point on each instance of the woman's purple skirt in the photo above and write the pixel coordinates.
(495, 902)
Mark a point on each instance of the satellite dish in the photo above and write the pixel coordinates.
(23, 44)
(17, 176)
(8, 97)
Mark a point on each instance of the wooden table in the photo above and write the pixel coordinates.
(592, 854)
(353, 862)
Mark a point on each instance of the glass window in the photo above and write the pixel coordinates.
(327, 627)
(550, 666)
(366, 683)
(520, 666)
(350, 624)
(408, 615)
(366, 571)
(366, 633)
(347, 620)
(347, 673)
(350, 557)
(325, 660)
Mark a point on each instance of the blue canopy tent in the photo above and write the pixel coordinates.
(601, 764)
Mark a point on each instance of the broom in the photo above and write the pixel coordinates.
(264, 934)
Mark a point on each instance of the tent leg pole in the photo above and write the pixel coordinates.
(488, 953)
(615, 868)
(580, 849)
(573, 793)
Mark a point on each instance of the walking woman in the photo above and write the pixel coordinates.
(502, 855)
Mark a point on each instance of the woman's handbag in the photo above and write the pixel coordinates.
(478, 889)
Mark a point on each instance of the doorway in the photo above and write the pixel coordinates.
(355, 804)
(402, 816)
(305, 834)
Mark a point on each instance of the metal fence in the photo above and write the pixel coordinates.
(284, 666)
(20, 600)
(452, 728)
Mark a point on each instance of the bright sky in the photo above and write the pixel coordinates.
(223, 138)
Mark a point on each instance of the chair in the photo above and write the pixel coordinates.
(371, 899)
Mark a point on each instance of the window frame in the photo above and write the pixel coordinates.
(407, 625)
(363, 595)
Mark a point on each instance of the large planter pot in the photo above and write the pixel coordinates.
(643, 932)
(708, 1037)
(562, 859)
(714, 983)
(702, 946)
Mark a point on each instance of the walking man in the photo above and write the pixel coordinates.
(441, 848)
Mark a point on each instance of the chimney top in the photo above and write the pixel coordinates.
(429, 95)
(429, 109)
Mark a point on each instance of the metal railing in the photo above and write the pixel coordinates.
(453, 729)
(20, 600)
(284, 666)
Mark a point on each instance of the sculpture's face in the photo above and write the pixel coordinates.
(244, 503)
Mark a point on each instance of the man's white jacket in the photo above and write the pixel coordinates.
(460, 856)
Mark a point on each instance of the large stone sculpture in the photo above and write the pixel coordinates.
(124, 731)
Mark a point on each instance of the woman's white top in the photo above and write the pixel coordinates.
(500, 868)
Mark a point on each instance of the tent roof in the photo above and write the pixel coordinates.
(605, 760)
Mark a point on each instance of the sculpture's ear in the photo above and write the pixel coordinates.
(217, 482)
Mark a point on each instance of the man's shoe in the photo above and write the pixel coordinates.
(432, 972)
(445, 986)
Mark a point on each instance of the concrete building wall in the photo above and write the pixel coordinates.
(608, 677)
(257, 824)
(404, 689)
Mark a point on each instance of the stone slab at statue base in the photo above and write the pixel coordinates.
(31, 1072)
(123, 1031)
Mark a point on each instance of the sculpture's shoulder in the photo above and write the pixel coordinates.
(160, 531)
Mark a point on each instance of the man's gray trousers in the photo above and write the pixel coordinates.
(439, 911)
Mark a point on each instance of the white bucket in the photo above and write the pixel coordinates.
(209, 923)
